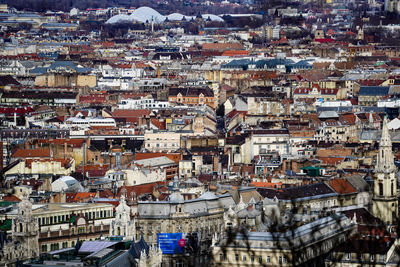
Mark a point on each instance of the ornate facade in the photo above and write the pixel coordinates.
(122, 224)
(24, 243)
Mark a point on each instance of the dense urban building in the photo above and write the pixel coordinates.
(199, 133)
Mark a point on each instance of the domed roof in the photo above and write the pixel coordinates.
(176, 198)
(63, 183)
(208, 196)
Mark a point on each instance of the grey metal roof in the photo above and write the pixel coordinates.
(328, 114)
(373, 90)
(305, 229)
(94, 246)
(195, 207)
(122, 260)
(358, 182)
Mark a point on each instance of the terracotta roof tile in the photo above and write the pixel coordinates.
(79, 197)
(71, 142)
(222, 46)
(32, 153)
(11, 198)
(126, 113)
(341, 186)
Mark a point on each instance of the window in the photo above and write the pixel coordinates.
(380, 189)
(244, 258)
(268, 259)
(280, 259)
(252, 258)
(221, 257)
(392, 189)
(347, 256)
(81, 230)
(236, 257)
(260, 260)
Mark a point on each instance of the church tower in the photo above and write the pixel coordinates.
(25, 230)
(384, 200)
(122, 224)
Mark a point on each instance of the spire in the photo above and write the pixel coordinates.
(371, 119)
(385, 138)
(122, 199)
(385, 159)
(354, 219)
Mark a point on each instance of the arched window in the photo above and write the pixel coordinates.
(380, 189)
(392, 189)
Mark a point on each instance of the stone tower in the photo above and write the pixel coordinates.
(122, 224)
(25, 230)
(384, 200)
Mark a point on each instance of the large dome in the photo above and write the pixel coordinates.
(147, 14)
(63, 183)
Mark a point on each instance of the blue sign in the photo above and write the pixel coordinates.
(168, 243)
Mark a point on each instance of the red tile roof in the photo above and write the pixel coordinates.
(128, 113)
(348, 119)
(161, 125)
(79, 197)
(70, 142)
(32, 153)
(106, 193)
(8, 111)
(222, 46)
(231, 53)
(341, 186)
(11, 198)
(139, 189)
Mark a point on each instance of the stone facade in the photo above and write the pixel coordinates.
(122, 224)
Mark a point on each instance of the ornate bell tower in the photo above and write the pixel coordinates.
(26, 230)
(122, 224)
(384, 200)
